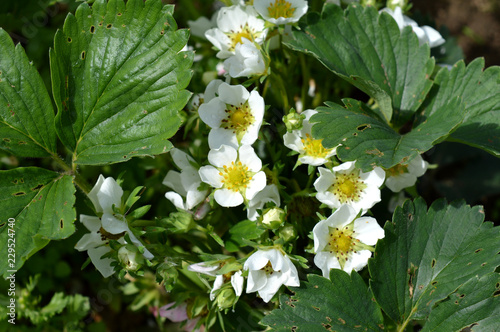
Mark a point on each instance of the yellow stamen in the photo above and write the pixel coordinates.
(348, 187)
(280, 8)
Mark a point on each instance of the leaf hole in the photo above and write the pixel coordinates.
(40, 186)
(109, 26)
(100, 24)
(326, 326)
(497, 285)
(22, 143)
(462, 296)
(456, 302)
(69, 40)
(118, 14)
(92, 29)
(83, 55)
(21, 193)
(478, 250)
(6, 140)
(2, 224)
(294, 328)
(162, 32)
(316, 308)
(434, 283)
(433, 263)
(483, 264)
(61, 224)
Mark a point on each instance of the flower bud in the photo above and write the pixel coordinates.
(288, 233)
(129, 257)
(293, 120)
(226, 298)
(273, 218)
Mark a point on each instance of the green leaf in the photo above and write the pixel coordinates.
(342, 304)
(479, 90)
(427, 255)
(41, 202)
(26, 113)
(242, 231)
(118, 77)
(365, 137)
(474, 303)
(368, 50)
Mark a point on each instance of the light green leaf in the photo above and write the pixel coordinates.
(41, 202)
(365, 137)
(473, 304)
(26, 113)
(342, 304)
(368, 50)
(118, 77)
(242, 231)
(480, 91)
(427, 255)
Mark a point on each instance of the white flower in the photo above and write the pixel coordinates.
(311, 151)
(267, 271)
(247, 61)
(199, 26)
(235, 116)
(210, 270)
(185, 183)
(281, 11)
(402, 176)
(236, 281)
(234, 25)
(425, 33)
(269, 194)
(96, 244)
(343, 242)
(237, 175)
(346, 184)
(105, 195)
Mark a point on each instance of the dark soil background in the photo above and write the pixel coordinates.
(475, 23)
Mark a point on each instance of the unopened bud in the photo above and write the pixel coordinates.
(130, 257)
(273, 218)
(288, 233)
(293, 120)
(226, 298)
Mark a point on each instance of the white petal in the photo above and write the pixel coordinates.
(220, 136)
(212, 90)
(219, 281)
(93, 193)
(176, 199)
(367, 230)
(293, 141)
(182, 159)
(292, 275)
(228, 198)
(113, 225)
(233, 94)
(401, 181)
(326, 261)
(418, 166)
(210, 175)
(257, 260)
(308, 114)
(320, 232)
(313, 161)
(347, 167)
(257, 279)
(89, 241)
(325, 180)
(249, 158)
(93, 224)
(147, 254)
(195, 197)
(203, 268)
(237, 282)
(433, 37)
(374, 178)
(109, 194)
(103, 265)
(357, 261)
(270, 193)
(273, 284)
(255, 185)
(213, 112)
(174, 181)
(222, 156)
(329, 199)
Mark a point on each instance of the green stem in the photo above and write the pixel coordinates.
(77, 178)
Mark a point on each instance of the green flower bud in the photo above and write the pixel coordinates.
(178, 222)
(226, 298)
(130, 257)
(273, 218)
(293, 120)
(288, 233)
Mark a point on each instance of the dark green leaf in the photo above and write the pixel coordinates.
(26, 113)
(369, 51)
(427, 255)
(342, 304)
(118, 77)
(242, 231)
(480, 91)
(365, 137)
(41, 202)
(473, 304)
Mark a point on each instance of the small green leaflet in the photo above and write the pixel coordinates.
(427, 255)
(321, 305)
(368, 50)
(26, 113)
(41, 202)
(480, 91)
(118, 78)
(369, 140)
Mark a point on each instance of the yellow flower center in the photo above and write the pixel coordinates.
(280, 8)
(397, 170)
(236, 176)
(268, 269)
(238, 119)
(236, 37)
(348, 187)
(314, 148)
(341, 243)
